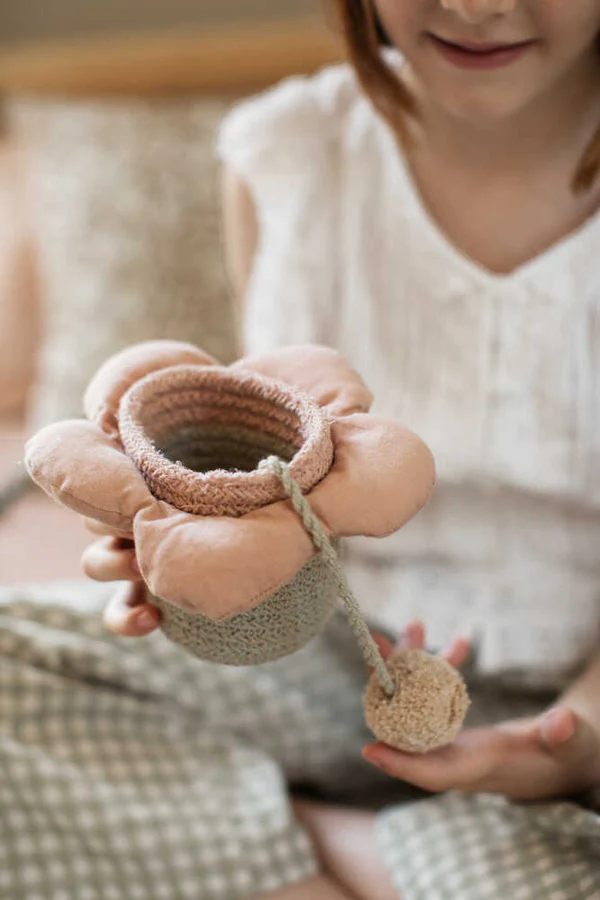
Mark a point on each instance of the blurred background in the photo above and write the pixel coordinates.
(34, 20)
(109, 204)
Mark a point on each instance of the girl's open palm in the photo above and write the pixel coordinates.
(551, 755)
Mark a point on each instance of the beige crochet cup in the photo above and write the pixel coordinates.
(172, 455)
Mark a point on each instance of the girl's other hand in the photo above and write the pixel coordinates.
(413, 638)
(554, 754)
(111, 557)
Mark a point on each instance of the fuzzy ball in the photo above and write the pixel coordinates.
(429, 706)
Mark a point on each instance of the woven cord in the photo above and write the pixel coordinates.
(357, 622)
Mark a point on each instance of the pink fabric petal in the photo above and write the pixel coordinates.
(320, 372)
(381, 476)
(116, 376)
(219, 566)
(83, 468)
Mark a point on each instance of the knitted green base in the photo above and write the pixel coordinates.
(282, 624)
(288, 619)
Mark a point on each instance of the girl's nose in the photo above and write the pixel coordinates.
(478, 11)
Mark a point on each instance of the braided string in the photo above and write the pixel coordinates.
(357, 622)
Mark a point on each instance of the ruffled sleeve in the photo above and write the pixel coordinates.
(285, 144)
(282, 134)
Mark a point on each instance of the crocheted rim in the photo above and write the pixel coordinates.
(185, 397)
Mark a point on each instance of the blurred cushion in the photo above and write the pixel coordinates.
(38, 21)
(39, 540)
(126, 196)
(19, 325)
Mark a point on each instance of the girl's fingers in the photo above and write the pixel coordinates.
(571, 741)
(386, 648)
(458, 652)
(413, 637)
(467, 764)
(111, 559)
(127, 612)
(439, 770)
(557, 727)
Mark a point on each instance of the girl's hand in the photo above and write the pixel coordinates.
(554, 754)
(112, 558)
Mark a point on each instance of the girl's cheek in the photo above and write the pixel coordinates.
(400, 20)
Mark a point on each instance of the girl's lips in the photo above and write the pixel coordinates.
(469, 55)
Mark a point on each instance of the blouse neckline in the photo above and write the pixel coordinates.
(548, 267)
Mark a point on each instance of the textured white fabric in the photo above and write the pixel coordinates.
(126, 213)
(499, 374)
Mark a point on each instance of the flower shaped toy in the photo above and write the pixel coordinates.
(171, 455)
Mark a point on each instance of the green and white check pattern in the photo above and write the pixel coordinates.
(484, 848)
(132, 771)
(129, 769)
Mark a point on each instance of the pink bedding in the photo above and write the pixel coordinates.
(39, 540)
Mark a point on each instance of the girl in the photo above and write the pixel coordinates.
(431, 209)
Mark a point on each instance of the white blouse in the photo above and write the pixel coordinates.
(499, 374)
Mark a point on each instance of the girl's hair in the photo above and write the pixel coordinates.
(365, 37)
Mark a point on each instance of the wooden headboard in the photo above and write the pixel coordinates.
(217, 59)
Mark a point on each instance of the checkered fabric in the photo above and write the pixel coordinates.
(484, 847)
(130, 770)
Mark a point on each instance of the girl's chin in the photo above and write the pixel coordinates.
(477, 104)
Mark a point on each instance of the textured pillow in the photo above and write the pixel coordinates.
(127, 213)
(18, 296)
